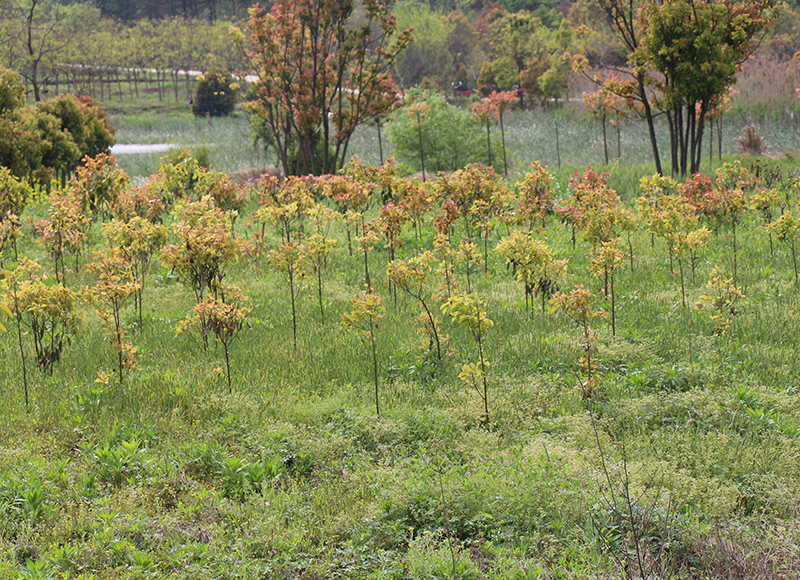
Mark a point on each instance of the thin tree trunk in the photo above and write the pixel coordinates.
(558, 153)
(380, 143)
(613, 308)
(319, 293)
(374, 368)
(503, 140)
(488, 144)
(227, 366)
(485, 384)
(22, 349)
(294, 310)
(421, 154)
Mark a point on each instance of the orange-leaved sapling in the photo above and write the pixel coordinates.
(63, 230)
(224, 316)
(470, 310)
(414, 276)
(686, 245)
(290, 260)
(50, 312)
(605, 261)
(206, 245)
(533, 264)
(319, 246)
(502, 101)
(14, 195)
(577, 305)
(98, 184)
(366, 241)
(486, 114)
(467, 253)
(138, 239)
(443, 225)
(391, 218)
(766, 200)
(116, 282)
(675, 219)
(721, 298)
(787, 228)
(596, 207)
(286, 208)
(352, 197)
(535, 197)
(415, 198)
(729, 203)
(10, 229)
(141, 201)
(367, 312)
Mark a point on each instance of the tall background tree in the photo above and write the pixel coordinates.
(696, 47)
(322, 72)
(682, 55)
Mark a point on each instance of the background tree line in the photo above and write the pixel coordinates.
(74, 48)
(210, 10)
(90, 47)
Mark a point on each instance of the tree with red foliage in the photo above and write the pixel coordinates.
(322, 72)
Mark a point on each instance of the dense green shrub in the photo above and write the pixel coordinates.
(49, 139)
(215, 94)
(450, 139)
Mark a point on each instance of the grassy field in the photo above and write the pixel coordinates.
(683, 464)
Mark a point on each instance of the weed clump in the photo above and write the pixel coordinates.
(751, 143)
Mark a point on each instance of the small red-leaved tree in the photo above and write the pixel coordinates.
(290, 260)
(14, 194)
(367, 312)
(116, 283)
(98, 184)
(223, 316)
(63, 230)
(49, 312)
(415, 277)
(205, 246)
(577, 305)
(470, 310)
(138, 239)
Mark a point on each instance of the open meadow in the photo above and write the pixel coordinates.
(495, 345)
(509, 439)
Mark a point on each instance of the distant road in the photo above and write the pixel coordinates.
(129, 149)
(188, 73)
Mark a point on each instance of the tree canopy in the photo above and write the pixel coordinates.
(683, 55)
(323, 70)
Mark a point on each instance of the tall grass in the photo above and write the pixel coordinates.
(530, 136)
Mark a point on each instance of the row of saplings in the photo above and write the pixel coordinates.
(200, 242)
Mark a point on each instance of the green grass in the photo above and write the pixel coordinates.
(291, 475)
